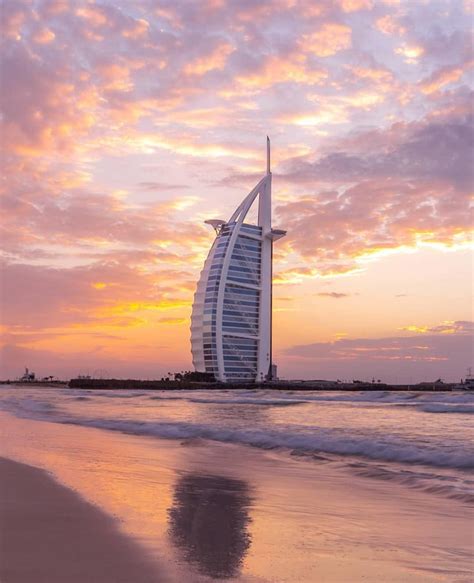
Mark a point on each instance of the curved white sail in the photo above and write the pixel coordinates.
(231, 322)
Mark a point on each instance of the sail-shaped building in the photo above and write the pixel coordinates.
(231, 322)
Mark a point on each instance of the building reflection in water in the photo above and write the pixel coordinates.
(208, 523)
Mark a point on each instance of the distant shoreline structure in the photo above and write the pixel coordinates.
(174, 385)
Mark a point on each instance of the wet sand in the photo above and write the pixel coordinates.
(49, 534)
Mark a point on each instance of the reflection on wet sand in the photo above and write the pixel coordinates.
(208, 523)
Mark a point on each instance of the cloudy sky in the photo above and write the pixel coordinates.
(126, 124)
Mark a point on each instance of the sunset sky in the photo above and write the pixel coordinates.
(126, 124)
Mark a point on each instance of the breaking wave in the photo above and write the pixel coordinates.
(447, 408)
(28, 407)
(324, 441)
(430, 483)
(424, 402)
(249, 401)
(165, 398)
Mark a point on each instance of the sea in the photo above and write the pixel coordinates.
(421, 439)
(413, 447)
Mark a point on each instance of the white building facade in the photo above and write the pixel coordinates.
(231, 322)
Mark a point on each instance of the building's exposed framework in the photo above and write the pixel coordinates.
(231, 322)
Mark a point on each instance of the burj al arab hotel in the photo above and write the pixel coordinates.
(231, 322)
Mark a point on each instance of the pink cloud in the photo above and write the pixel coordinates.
(329, 40)
(14, 15)
(442, 77)
(409, 184)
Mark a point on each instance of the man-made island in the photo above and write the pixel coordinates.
(184, 383)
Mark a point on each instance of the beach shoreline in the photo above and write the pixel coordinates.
(50, 534)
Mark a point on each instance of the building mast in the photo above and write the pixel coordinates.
(268, 155)
(270, 367)
(265, 317)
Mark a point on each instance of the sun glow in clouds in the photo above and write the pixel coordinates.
(126, 126)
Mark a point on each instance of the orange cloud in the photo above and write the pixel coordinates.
(299, 274)
(189, 145)
(330, 113)
(328, 40)
(93, 15)
(446, 327)
(355, 5)
(389, 25)
(169, 15)
(213, 61)
(411, 53)
(173, 321)
(44, 36)
(275, 69)
(55, 7)
(374, 217)
(138, 29)
(364, 99)
(414, 328)
(376, 74)
(12, 20)
(335, 111)
(116, 77)
(441, 78)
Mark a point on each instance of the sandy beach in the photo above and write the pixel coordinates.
(136, 507)
(50, 534)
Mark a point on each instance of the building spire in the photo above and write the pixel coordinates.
(268, 155)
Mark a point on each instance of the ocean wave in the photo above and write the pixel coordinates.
(430, 483)
(390, 397)
(321, 441)
(117, 394)
(419, 400)
(447, 408)
(355, 396)
(28, 407)
(165, 398)
(248, 401)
